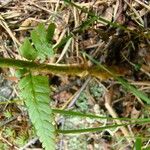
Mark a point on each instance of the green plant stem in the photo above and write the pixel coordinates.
(75, 131)
(19, 64)
(80, 70)
(93, 116)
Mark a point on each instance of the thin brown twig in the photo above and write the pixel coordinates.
(114, 115)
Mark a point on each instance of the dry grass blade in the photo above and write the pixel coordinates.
(64, 50)
(144, 5)
(136, 13)
(6, 27)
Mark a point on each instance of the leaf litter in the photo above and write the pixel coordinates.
(127, 51)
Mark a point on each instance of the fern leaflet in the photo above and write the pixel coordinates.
(35, 92)
(40, 41)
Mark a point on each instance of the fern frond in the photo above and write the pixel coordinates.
(39, 39)
(35, 92)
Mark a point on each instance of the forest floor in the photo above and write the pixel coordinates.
(123, 45)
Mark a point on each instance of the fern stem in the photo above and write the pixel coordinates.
(19, 64)
(80, 70)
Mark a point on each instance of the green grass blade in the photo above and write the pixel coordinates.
(84, 115)
(63, 42)
(85, 24)
(75, 131)
(133, 90)
(138, 144)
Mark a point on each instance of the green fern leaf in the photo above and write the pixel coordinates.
(27, 51)
(35, 92)
(50, 32)
(39, 39)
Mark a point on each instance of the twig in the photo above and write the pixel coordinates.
(8, 121)
(114, 115)
(76, 96)
(144, 5)
(6, 27)
(8, 143)
(31, 142)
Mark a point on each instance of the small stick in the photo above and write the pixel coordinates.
(31, 142)
(79, 92)
(114, 115)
